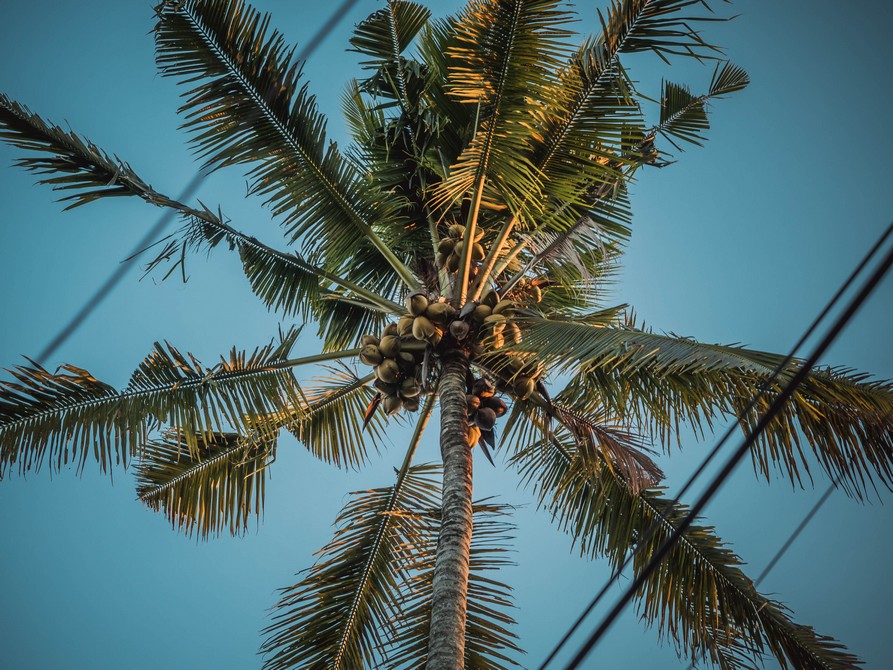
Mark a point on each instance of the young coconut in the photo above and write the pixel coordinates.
(391, 404)
(369, 339)
(438, 312)
(496, 404)
(473, 402)
(482, 388)
(446, 245)
(409, 389)
(417, 303)
(524, 387)
(404, 325)
(459, 330)
(423, 329)
(456, 231)
(390, 346)
(480, 313)
(390, 329)
(388, 371)
(485, 418)
(371, 355)
(411, 404)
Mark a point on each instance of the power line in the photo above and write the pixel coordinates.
(778, 403)
(726, 436)
(151, 237)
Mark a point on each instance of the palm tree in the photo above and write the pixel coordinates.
(458, 248)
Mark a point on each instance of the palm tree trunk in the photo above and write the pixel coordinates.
(446, 643)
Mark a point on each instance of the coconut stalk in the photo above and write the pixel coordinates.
(446, 644)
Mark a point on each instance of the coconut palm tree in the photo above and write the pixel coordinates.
(457, 249)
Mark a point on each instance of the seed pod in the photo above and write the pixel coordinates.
(459, 330)
(452, 263)
(391, 404)
(494, 319)
(506, 307)
(411, 404)
(385, 388)
(490, 299)
(524, 387)
(371, 355)
(477, 252)
(440, 259)
(446, 245)
(369, 339)
(388, 371)
(485, 418)
(537, 294)
(473, 402)
(390, 329)
(409, 389)
(437, 312)
(417, 303)
(474, 434)
(482, 388)
(496, 404)
(512, 332)
(390, 346)
(422, 328)
(480, 313)
(456, 231)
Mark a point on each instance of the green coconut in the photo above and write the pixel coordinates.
(371, 355)
(446, 245)
(422, 328)
(369, 339)
(388, 371)
(391, 404)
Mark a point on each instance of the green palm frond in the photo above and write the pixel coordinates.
(340, 614)
(329, 420)
(503, 60)
(386, 34)
(683, 115)
(659, 380)
(67, 162)
(65, 416)
(489, 642)
(245, 106)
(699, 597)
(217, 486)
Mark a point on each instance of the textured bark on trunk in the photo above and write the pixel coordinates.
(446, 643)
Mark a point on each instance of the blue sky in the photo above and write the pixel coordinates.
(740, 241)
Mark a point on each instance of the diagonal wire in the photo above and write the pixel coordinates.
(725, 438)
(778, 403)
(152, 236)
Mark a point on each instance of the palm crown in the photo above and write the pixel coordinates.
(457, 248)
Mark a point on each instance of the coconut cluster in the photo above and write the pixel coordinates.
(396, 370)
(427, 319)
(494, 319)
(451, 248)
(483, 410)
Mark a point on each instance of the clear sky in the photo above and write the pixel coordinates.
(740, 241)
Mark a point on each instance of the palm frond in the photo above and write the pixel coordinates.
(387, 33)
(329, 420)
(65, 416)
(659, 380)
(246, 106)
(217, 486)
(67, 162)
(503, 62)
(338, 616)
(683, 115)
(489, 642)
(699, 597)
